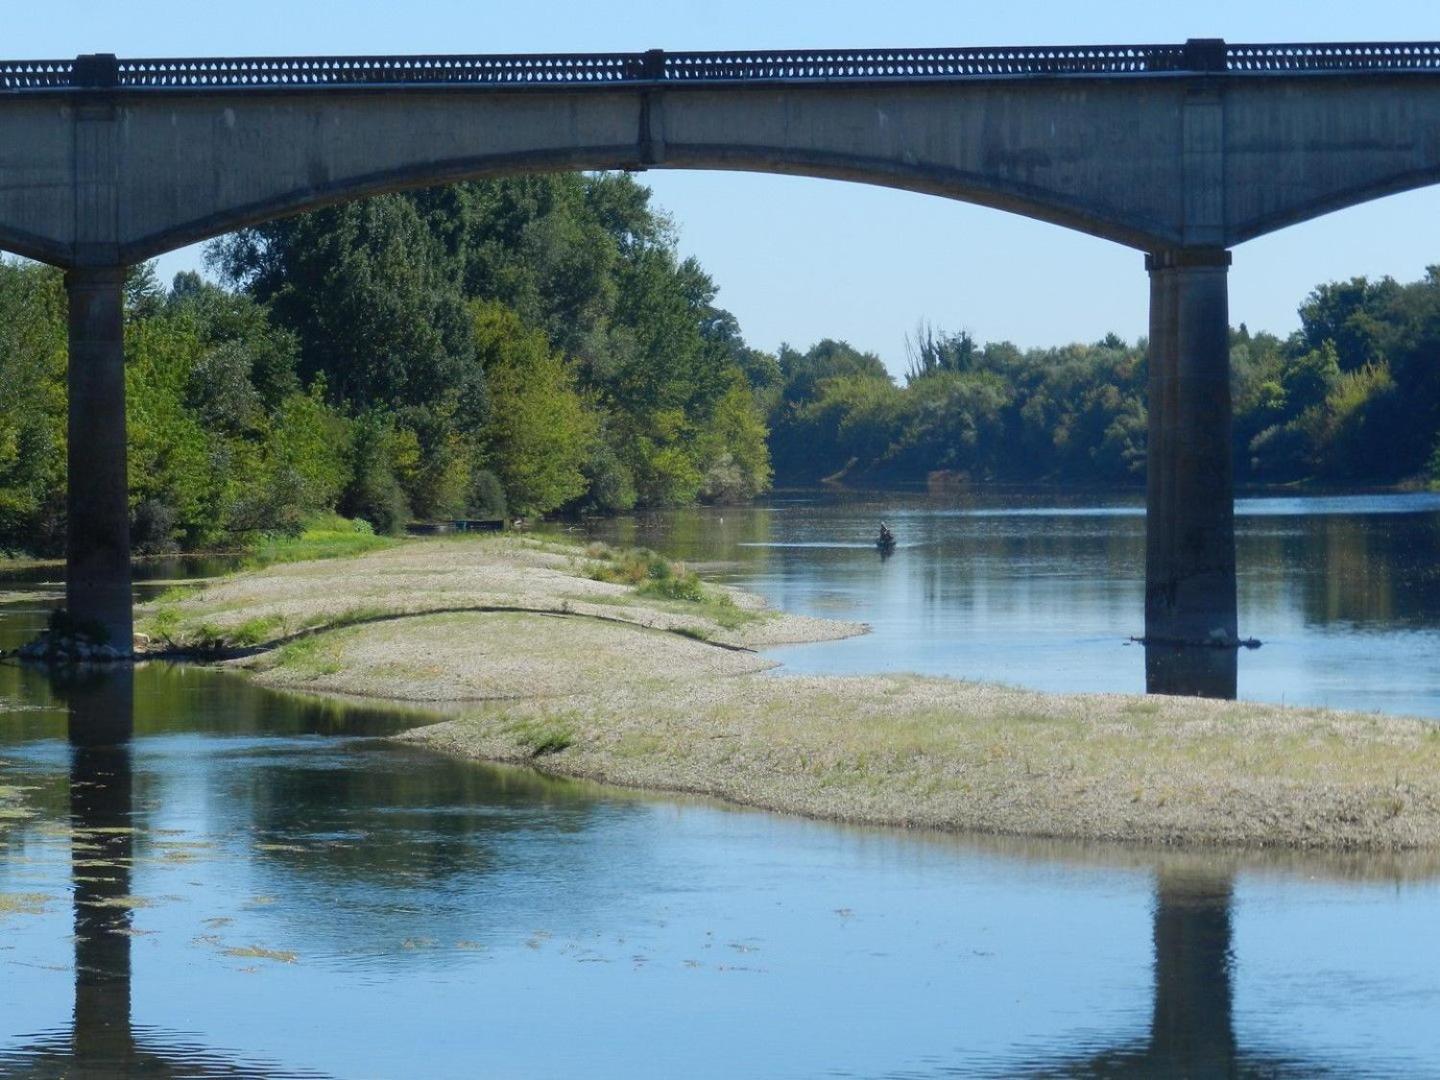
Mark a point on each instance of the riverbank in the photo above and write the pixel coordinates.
(598, 664)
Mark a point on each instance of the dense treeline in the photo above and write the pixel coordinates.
(1353, 395)
(507, 347)
(533, 344)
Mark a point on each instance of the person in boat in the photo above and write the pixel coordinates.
(886, 538)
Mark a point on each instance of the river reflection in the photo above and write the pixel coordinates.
(303, 902)
(1191, 671)
(102, 1040)
(1045, 589)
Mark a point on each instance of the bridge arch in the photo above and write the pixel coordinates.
(1016, 198)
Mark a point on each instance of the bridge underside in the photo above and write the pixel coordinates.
(1176, 151)
(107, 178)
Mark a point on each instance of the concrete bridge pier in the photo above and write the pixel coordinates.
(1189, 511)
(97, 570)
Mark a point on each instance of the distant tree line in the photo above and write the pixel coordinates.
(531, 345)
(1352, 396)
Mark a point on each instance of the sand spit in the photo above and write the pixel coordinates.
(594, 680)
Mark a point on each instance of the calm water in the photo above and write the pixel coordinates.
(1041, 591)
(256, 885)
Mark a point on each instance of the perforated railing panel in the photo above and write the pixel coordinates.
(1357, 57)
(380, 70)
(35, 74)
(921, 63)
(611, 69)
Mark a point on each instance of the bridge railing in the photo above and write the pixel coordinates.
(1334, 56)
(259, 72)
(921, 63)
(610, 69)
(36, 74)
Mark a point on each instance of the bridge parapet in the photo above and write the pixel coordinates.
(1354, 57)
(575, 70)
(18, 75)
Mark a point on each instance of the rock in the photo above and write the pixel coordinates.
(140, 642)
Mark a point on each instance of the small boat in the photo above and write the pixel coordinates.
(885, 542)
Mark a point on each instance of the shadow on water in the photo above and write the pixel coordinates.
(1192, 1029)
(102, 1040)
(1191, 671)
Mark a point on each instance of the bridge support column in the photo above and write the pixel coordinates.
(97, 553)
(1189, 511)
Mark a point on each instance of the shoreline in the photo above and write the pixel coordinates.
(533, 658)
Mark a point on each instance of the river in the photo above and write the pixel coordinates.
(1044, 590)
(257, 885)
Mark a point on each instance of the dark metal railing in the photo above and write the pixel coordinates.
(248, 73)
(922, 63)
(1358, 57)
(610, 69)
(36, 74)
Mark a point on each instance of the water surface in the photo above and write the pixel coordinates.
(215, 880)
(1044, 590)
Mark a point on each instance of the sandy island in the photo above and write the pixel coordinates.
(593, 663)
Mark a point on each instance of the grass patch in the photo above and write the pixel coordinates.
(176, 594)
(255, 952)
(259, 629)
(638, 745)
(541, 735)
(658, 578)
(163, 623)
(127, 903)
(685, 587)
(328, 536)
(629, 566)
(308, 656)
(361, 613)
(23, 903)
(1141, 708)
(10, 808)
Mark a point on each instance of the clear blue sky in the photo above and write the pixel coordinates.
(800, 259)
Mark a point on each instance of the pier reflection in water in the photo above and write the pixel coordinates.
(1044, 588)
(103, 1040)
(101, 725)
(462, 909)
(1191, 671)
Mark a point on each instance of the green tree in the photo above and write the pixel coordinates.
(32, 408)
(540, 433)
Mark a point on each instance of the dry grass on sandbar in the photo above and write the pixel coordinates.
(537, 654)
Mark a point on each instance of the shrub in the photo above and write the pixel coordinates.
(487, 497)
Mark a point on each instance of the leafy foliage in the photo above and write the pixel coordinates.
(533, 344)
(1353, 395)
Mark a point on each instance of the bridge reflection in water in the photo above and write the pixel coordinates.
(1192, 1031)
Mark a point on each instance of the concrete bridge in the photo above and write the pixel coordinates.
(1179, 151)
